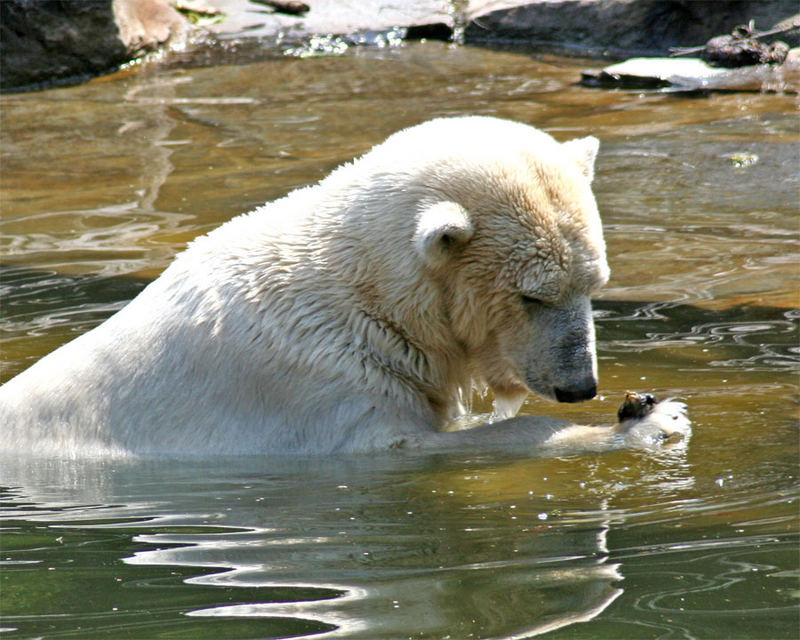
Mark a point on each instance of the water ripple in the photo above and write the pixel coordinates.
(756, 342)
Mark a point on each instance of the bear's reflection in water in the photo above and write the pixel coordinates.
(374, 546)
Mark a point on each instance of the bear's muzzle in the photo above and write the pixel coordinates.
(586, 391)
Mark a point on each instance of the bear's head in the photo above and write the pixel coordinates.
(507, 233)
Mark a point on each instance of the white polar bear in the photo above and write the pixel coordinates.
(352, 315)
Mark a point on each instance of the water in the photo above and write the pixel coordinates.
(103, 183)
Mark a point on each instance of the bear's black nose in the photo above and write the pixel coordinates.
(576, 394)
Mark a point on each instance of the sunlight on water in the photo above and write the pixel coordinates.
(104, 183)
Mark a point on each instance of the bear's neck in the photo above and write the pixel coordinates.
(436, 372)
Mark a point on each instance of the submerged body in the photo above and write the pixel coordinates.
(351, 315)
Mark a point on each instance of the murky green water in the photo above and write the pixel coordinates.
(103, 183)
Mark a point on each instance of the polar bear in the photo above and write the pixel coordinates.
(353, 315)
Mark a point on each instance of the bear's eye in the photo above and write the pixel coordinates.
(529, 301)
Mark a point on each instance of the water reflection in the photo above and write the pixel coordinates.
(756, 338)
(354, 548)
(391, 546)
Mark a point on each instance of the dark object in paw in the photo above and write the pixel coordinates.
(636, 406)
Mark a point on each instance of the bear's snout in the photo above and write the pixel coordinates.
(586, 391)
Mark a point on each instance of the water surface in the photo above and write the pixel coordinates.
(103, 183)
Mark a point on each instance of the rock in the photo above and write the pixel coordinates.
(41, 41)
(745, 46)
(252, 19)
(639, 27)
(587, 26)
(693, 74)
(146, 25)
(733, 52)
(46, 41)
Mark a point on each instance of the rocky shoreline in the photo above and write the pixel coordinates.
(46, 42)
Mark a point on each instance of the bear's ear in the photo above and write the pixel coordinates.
(442, 228)
(584, 152)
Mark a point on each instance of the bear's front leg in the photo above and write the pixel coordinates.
(644, 422)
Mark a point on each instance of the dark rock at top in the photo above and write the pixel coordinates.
(641, 27)
(40, 41)
(46, 41)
